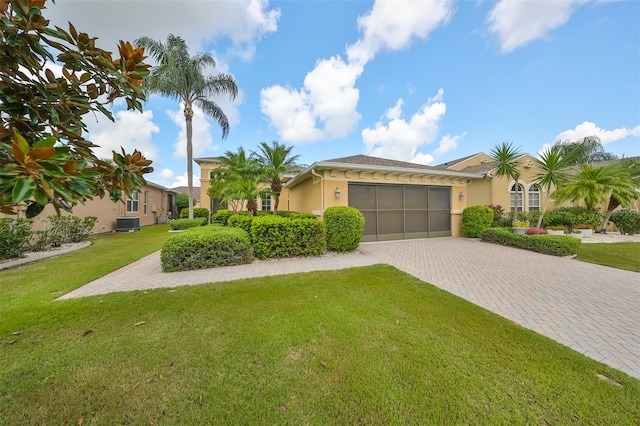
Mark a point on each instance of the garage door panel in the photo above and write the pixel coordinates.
(390, 222)
(439, 221)
(416, 221)
(390, 197)
(363, 197)
(415, 198)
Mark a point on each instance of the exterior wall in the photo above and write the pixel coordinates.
(107, 211)
(306, 197)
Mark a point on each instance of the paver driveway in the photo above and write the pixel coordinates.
(590, 308)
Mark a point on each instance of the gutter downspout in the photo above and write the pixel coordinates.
(313, 173)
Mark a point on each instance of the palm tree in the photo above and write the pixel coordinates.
(241, 174)
(181, 77)
(551, 165)
(597, 185)
(506, 156)
(274, 160)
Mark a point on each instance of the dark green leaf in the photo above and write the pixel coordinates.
(34, 210)
(23, 189)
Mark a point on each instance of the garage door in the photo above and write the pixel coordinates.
(396, 212)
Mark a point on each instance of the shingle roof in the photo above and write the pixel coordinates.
(185, 190)
(450, 163)
(481, 168)
(376, 161)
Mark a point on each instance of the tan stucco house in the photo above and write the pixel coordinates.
(151, 204)
(399, 200)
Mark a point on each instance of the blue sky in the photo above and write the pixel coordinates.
(421, 81)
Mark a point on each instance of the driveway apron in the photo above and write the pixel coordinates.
(593, 309)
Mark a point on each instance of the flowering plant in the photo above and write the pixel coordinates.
(536, 231)
(583, 226)
(557, 227)
(519, 224)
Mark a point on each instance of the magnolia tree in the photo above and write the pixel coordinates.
(44, 155)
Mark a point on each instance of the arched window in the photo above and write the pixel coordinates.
(520, 197)
(534, 197)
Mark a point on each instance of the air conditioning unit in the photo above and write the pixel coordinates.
(127, 224)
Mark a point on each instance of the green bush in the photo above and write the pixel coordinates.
(197, 212)
(475, 219)
(275, 236)
(296, 215)
(206, 247)
(498, 215)
(570, 216)
(63, 230)
(242, 221)
(220, 217)
(345, 226)
(180, 224)
(627, 221)
(14, 237)
(556, 245)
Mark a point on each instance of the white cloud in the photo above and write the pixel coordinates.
(518, 22)
(588, 128)
(131, 130)
(244, 22)
(545, 148)
(201, 138)
(392, 25)
(400, 139)
(181, 180)
(448, 143)
(326, 105)
(421, 158)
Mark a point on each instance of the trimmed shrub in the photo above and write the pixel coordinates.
(241, 221)
(345, 226)
(275, 236)
(63, 230)
(498, 215)
(206, 247)
(296, 215)
(570, 216)
(220, 217)
(197, 212)
(627, 221)
(475, 219)
(556, 245)
(14, 237)
(179, 224)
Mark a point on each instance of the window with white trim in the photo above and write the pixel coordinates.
(534, 197)
(132, 202)
(146, 200)
(520, 197)
(266, 203)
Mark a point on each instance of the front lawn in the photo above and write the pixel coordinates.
(366, 345)
(617, 255)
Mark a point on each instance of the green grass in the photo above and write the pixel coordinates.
(366, 345)
(617, 255)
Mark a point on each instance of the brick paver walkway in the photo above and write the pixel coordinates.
(593, 309)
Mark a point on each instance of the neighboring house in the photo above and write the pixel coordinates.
(185, 190)
(400, 200)
(491, 189)
(151, 204)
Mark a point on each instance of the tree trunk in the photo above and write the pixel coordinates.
(188, 115)
(613, 204)
(544, 208)
(515, 210)
(276, 187)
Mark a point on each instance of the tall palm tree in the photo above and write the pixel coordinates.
(507, 157)
(551, 175)
(597, 185)
(275, 160)
(181, 77)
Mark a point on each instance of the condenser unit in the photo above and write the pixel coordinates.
(127, 224)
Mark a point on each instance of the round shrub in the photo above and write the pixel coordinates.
(627, 221)
(221, 217)
(476, 219)
(14, 237)
(274, 236)
(206, 247)
(242, 221)
(345, 226)
(181, 224)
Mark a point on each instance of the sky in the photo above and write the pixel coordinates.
(419, 81)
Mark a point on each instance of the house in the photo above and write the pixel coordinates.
(151, 204)
(400, 200)
(185, 190)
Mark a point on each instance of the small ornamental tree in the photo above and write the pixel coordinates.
(476, 219)
(44, 156)
(345, 226)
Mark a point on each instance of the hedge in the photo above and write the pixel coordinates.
(63, 230)
(275, 236)
(197, 212)
(241, 221)
(476, 219)
(14, 237)
(557, 245)
(179, 224)
(627, 221)
(345, 226)
(206, 247)
(221, 216)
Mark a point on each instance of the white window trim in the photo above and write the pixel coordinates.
(132, 202)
